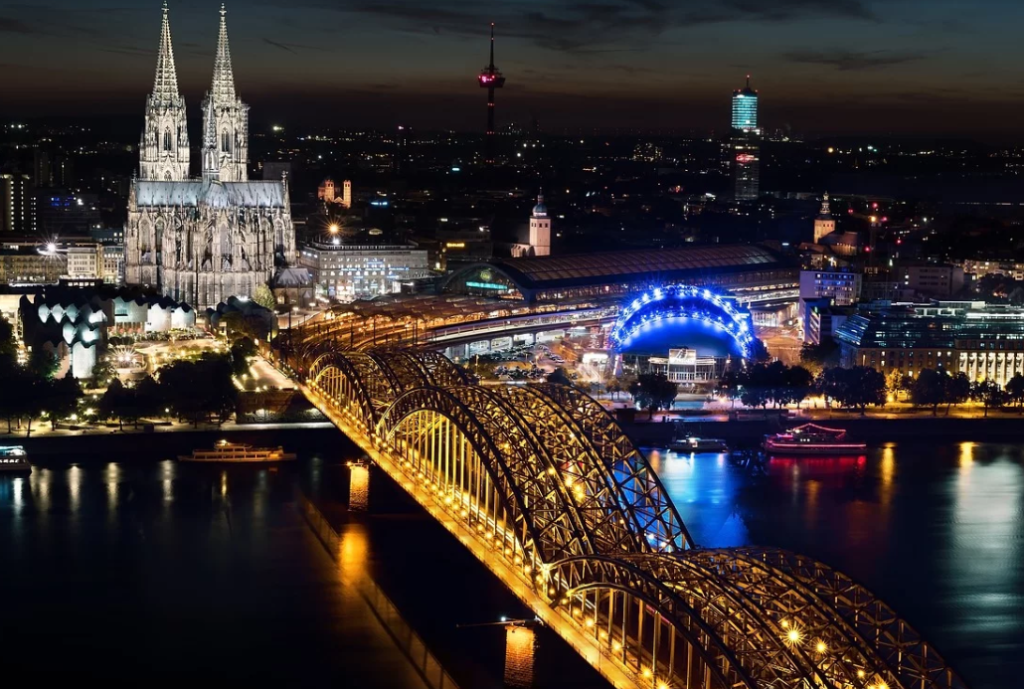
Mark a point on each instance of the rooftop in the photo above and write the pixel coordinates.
(569, 270)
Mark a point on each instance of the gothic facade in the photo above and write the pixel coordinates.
(202, 240)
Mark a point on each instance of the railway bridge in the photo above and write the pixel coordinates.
(546, 490)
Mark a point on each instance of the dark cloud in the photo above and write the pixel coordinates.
(852, 61)
(282, 46)
(9, 25)
(583, 25)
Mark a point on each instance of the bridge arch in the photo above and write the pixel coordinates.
(619, 495)
(470, 449)
(689, 302)
(357, 382)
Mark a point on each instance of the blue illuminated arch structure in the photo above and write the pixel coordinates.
(684, 302)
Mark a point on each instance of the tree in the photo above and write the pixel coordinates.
(855, 387)
(42, 363)
(149, 398)
(654, 391)
(817, 357)
(265, 298)
(989, 394)
(1015, 389)
(103, 373)
(8, 345)
(242, 350)
(730, 385)
(898, 382)
(929, 389)
(119, 401)
(559, 377)
(21, 395)
(958, 390)
(797, 383)
(195, 389)
(758, 352)
(60, 398)
(762, 384)
(867, 386)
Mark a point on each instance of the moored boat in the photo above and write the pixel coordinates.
(694, 444)
(224, 451)
(812, 439)
(13, 458)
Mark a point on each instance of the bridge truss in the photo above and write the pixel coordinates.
(545, 488)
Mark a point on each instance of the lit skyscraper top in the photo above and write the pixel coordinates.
(744, 108)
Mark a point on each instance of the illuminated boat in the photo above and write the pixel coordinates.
(227, 452)
(13, 458)
(694, 444)
(812, 439)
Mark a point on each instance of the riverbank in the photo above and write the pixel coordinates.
(168, 445)
(868, 429)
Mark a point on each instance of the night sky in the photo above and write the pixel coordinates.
(949, 67)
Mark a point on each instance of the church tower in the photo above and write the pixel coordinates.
(540, 229)
(163, 150)
(824, 224)
(225, 120)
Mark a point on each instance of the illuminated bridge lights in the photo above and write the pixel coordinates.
(614, 571)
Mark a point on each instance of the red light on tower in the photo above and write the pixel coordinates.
(490, 78)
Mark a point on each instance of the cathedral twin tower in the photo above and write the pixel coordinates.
(165, 147)
(202, 240)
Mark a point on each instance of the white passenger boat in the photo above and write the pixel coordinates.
(227, 452)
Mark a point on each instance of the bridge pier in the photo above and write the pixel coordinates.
(520, 642)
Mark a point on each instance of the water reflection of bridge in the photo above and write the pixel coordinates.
(545, 489)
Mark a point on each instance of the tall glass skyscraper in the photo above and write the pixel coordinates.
(744, 108)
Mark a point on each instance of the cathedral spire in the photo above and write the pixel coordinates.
(163, 148)
(223, 88)
(825, 211)
(165, 87)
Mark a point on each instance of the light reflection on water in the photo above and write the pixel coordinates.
(935, 530)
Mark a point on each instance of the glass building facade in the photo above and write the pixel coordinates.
(983, 341)
(744, 109)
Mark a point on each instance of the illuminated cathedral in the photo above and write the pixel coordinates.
(202, 240)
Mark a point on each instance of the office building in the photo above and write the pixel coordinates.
(347, 272)
(841, 286)
(18, 209)
(932, 281)
(744, 109)
(984, 341)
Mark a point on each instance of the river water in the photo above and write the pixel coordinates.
(134, 566)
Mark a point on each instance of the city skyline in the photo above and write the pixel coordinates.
(848, 66)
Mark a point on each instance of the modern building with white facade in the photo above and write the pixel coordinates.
(347, 272)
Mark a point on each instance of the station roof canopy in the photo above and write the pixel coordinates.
(701, 263)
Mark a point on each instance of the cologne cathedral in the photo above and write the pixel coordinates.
(202, 240)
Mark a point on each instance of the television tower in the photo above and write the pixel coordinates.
(490, 78)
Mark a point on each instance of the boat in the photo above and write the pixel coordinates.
(224, 451)
(812, 439)
(14, 458)
(692, 443)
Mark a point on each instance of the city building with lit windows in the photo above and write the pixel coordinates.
(984, 341)
(347, 272)
(744, 108)
(17, 204)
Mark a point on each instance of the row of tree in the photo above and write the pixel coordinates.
(191, 390)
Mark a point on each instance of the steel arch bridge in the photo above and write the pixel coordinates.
(542, 485)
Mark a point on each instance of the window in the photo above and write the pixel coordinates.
(225, 141)
(167, 139)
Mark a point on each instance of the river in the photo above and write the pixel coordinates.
(133, 566)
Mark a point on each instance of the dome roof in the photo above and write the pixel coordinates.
(540, 210)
